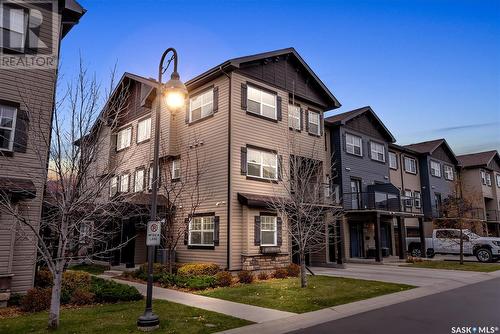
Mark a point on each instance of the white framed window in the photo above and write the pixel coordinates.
(86, 228)
(498, 180)
(408, 199)
(14, 28)
(294, 118)
(483, 177)
(113, 186)
(124, 183)
(435, 168)
(139, 180)
(176, 169)
(448, 173)
(417, 199)
(410, 165)
(488, 179)
(377, 151)
(144, 130)
(353, 144)
(261, 102)
(268, 231)
(262, 164)
(123, 138)
(201, 105)
(393, 160)
(314, 120)
(201, 231)
(8, 116)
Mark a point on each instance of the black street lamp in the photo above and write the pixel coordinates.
(175, 94)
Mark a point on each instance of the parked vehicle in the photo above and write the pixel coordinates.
(447, 241)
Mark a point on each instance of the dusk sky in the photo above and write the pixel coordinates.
(429, 69)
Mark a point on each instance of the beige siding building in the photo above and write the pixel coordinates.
(26, 107)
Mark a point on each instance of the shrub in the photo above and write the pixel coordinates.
(198, 269)
(223, 278)
(245, 277)
(167, 280)
(43, 278)
(73, 280)
(110, 292)
(293, 270)
(15, 299)
(413, 259)
(82, 297)
(280, 273)
(200, 282)
(37, 299)
(262, 276)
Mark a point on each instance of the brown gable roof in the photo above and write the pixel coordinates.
(428, 147)
(477, 159)
(341, 119)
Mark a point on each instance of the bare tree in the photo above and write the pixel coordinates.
(79, 218)
(184, 194)
(460, 212)
(306, 200)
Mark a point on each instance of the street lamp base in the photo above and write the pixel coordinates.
(148, 322)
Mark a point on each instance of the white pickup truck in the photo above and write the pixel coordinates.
(447, 241)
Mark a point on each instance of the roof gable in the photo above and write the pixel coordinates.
(437, 148)
(488, 159)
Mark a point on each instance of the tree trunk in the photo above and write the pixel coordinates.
(169, 260)
(461, 245)
(55, 301)
(303, 274)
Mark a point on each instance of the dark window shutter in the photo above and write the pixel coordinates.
(216, 230)
(216, 99)
(243, 161)
(301, 119)
(21, 132)
(186, 231)
(243, 96)
(321, 124)
(279, 231)
(344, 142)
(280, 167)
(256, 231)
(278, 108)
(306, 120)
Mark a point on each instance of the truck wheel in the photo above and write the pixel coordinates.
(484, 255)
(415, 252)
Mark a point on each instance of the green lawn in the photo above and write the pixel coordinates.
(121, 318)
(94, 269)
(455, 265)
(322, 292)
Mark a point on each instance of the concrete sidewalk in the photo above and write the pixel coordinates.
(248, 312)
(306, 320)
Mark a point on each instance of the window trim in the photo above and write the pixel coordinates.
(199, 94)
(404, 164)
(261, 150)
(267, 91)
(309, 113)
(417, 199)
(275, 230)
(143, 170)
(12, 129)
(174, 164)
(360, 145)
(122, 176)
(430, 168)
(129, 127)
(488, 179)
(116, 179)
(290, 107)
(137, 130)
(452, 172)
(408, 198)
(26, 19)
(371, 151)
(202, 230)
(395, 159)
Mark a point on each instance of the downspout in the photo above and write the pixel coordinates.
(228, 246)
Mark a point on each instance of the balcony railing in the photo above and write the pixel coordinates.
(378, 200)
(474, 213)
(492, 215)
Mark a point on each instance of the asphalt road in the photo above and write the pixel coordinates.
(472, 306)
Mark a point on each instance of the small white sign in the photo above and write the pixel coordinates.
(153, 233)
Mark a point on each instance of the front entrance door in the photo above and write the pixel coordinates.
(385, 237)
(356, 239)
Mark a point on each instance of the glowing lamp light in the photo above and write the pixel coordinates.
(175, 92)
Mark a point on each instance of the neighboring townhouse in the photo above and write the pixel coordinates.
(404, 173)
(26, 108)
(375, 217)
(438, 173)
(244, 119)
(480, 178)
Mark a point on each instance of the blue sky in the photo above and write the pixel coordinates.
(429, 69)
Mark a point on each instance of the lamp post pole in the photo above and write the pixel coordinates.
(150, 321)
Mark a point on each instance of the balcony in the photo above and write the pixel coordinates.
(472, 214)
(380, 200)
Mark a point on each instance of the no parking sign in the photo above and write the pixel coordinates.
(153, 233)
